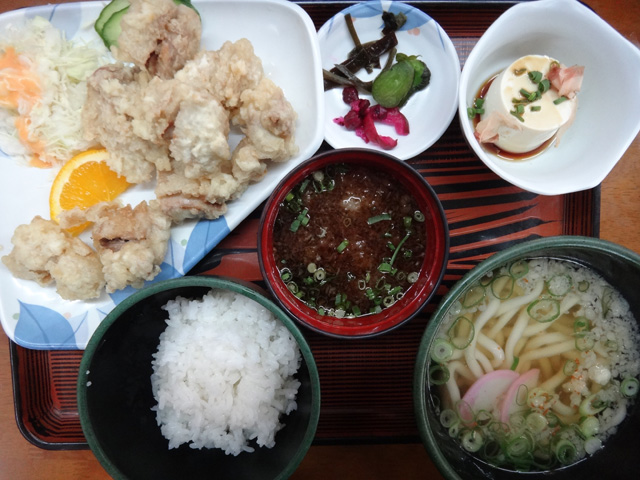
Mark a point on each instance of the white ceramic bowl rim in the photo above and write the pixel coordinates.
(607, 120)
(567, 243)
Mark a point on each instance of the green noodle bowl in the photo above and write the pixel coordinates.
(532, 362)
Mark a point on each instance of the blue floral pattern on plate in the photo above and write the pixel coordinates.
(415, 18)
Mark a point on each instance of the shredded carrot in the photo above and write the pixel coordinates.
(20, 91)
(18, 83)
(36, 146)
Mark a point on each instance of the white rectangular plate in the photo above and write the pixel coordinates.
(284, 38)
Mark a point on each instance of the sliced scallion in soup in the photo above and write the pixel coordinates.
(536, 365)
(349, 241)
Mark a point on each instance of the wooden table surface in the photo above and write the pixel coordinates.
(620, 223)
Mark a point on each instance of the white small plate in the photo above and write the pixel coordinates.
(607, 119)
(36, 317)
(429, 111)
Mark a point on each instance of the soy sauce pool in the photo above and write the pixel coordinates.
(349, 241)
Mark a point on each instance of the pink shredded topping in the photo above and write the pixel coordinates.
(362, 118)
(566, 80)
(487, 130)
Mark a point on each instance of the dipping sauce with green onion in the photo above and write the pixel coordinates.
(349, 241)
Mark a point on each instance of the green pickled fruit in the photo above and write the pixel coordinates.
(422, 74)
(391, 87)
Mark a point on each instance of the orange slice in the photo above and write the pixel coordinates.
(83, 181)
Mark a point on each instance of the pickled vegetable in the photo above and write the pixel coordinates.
(391, 87)
(358, 61)
(422, 74)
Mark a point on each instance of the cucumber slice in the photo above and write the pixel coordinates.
(108, 23)
(187, 3)
(111, 30)
(105, 14)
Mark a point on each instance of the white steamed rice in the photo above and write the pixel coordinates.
(223, 373)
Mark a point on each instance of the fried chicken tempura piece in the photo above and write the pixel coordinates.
(117, 116)
(131, 242)
(204, 150)
(181, 206)
(224, 73)
(200, 180)
(247, 166)
(181, 197)
(159, 36)
(181, 127)
(268, 120)
(47, 254)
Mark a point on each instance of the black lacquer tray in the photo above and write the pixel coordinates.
(366, 384)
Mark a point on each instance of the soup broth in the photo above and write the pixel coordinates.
(349, 241)
(535, 365)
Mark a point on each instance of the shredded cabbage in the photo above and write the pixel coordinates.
(62, 67)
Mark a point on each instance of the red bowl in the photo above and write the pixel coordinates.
(430, 275)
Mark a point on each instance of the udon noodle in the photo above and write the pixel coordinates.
(536, 365)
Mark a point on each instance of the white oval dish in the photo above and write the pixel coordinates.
(429, 111)
(607, 119)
